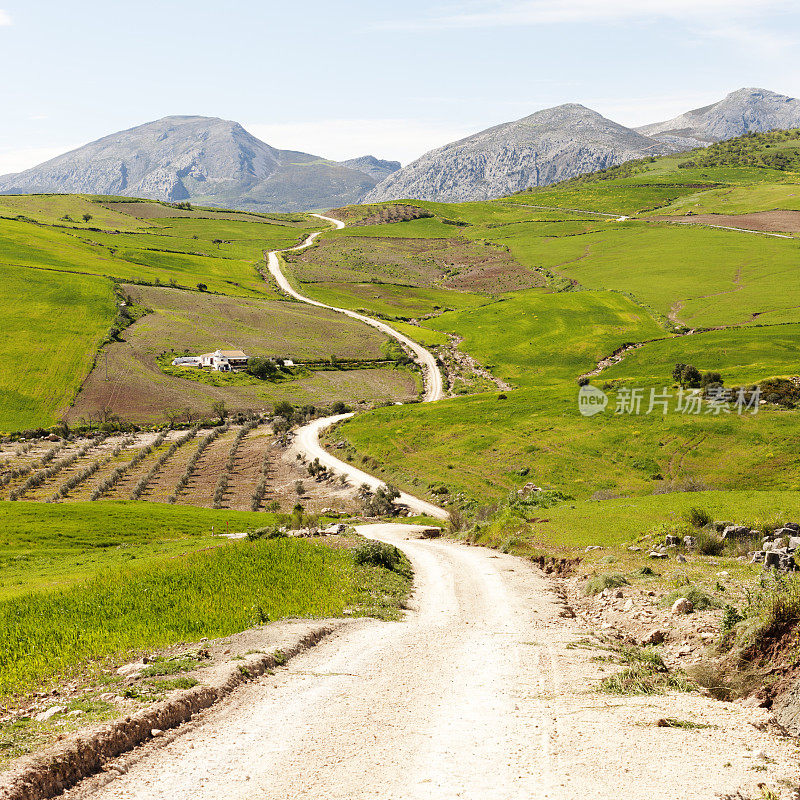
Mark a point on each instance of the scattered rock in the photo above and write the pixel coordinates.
(719, 527)
(129, 670)
(656, 636)
(682, 606)
(735, 532)
(156, 732)
(657, 554)
(76, 713)
(44, 716)
(795, 526)
(681, 558)
(593, 547)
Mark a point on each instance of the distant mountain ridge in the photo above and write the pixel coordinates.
(540, 149)
(740, 112)
(569, 140)
(206, 160)
(216, 162)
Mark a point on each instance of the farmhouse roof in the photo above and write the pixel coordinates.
(229, 354)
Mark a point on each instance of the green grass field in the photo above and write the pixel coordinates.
(530, 338)
(87, 581)
(742, 356)
(52, 324)
(45, 546)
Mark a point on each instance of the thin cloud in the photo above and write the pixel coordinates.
(25, 157)
(738, 22)
(546, 12)
(5, 18)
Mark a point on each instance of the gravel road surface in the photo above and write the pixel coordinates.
(484, 691)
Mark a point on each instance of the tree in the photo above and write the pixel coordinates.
(87, 217)
(691, 377)
(261, 368)
(217, 242)
(219, 409)
(202, 287)
(189, 415)
(381, 502)
(712, 379)
(284, 409)
(677, 372)
(171, 417)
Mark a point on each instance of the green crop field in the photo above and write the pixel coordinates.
(531, 338)
(44, 546)
(52, 324)
(85, 582)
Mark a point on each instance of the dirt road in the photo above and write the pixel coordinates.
(484, 691)
(431, 375)
(306, 442)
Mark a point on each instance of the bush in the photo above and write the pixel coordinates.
(698, 517)
(379, 554)
(697, 597)
(596, 584)
(708, 544)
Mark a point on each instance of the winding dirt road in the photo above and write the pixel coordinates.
(306, 440)
(431, 375)
(485, 691)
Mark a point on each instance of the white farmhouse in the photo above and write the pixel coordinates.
(224, 360)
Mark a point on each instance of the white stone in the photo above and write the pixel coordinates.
(682, 606)
(50, 713)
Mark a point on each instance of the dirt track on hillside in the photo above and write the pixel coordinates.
(486, 691)
(765, 221)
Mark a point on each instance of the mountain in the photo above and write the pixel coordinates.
(544, 148)
(740, 112)
(206, 160)
(374, 167)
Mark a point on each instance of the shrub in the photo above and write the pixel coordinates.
(697, 597)
(596, 584)
(708, 543)
(698, 517)
(379, 554)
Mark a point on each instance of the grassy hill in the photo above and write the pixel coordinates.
(606, 281)
(63, 258)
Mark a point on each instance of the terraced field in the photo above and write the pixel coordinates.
(182, 467)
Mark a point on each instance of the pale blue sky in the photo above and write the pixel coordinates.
(393, 79)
